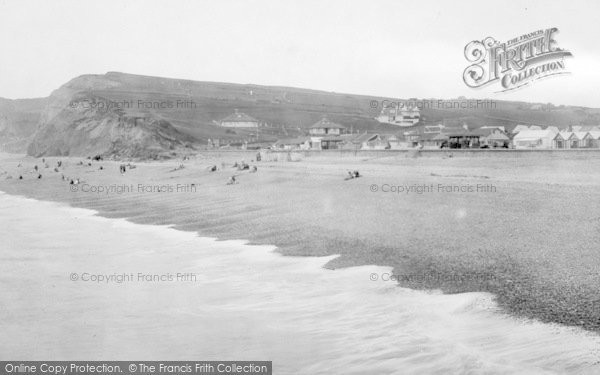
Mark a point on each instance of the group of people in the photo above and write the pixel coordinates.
(352, 174)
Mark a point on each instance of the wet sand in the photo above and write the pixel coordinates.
(531, 241)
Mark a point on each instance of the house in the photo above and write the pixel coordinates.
(399, 114)
(325, 135)
(325, 127)
(239, 120)
(530, 139)
(411, 138)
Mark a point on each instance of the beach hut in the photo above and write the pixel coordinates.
(595, 134)
(559, 141)
(585, 139)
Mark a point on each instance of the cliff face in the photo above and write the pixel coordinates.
(18, 121)
(79, 122)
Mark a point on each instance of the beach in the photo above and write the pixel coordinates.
(520, 226)
(86, 287)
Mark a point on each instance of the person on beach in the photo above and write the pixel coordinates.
(349, 177)
(39, 176)
(231, 180)
(20, 177)
(258, 156)
(35, 168)
(356, 174)
(254, 169)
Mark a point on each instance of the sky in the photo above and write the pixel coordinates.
(395, 49)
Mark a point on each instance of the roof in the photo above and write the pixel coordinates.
(535, 134)
(239, 117)
(429, 136)
(580, 135)
(565, 135)
(292, 141)
(595, 134)
(364, 137)
(498, 137)
(325, 123)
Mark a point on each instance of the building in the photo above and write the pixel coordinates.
(399, 115)
(595, 134)
(239, 120)
(397, 142)
(325, 135)
(584, 139)
(435, 129)
(560, 140)
(298, 143)
(326, 127)
(359, 141)
(534, 139)
(432, 140)
(493, 137)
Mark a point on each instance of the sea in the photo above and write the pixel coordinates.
(78, 286)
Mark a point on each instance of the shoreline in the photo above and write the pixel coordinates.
(276, 207)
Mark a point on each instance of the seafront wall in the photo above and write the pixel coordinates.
(408, 153)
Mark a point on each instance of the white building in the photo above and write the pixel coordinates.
(400, 115)
(239, 120)
(534, 139)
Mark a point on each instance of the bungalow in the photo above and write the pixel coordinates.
(529, 139)
(239, 120)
